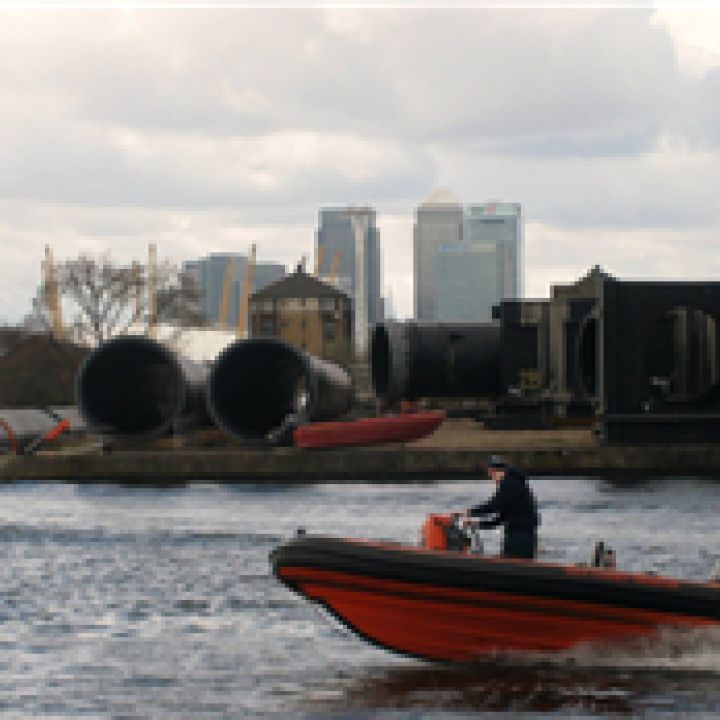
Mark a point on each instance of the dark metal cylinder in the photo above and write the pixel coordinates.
(258, 385)
(135, 387)
(410, 360)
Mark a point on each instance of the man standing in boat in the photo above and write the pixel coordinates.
(513, 505)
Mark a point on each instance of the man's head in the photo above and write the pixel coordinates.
(496, 468)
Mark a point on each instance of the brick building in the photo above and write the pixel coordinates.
(304, 312)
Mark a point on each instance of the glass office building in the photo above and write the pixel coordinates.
(466, 259)
(492, 237)
(209, 274)
(348, 242)
(438, 222)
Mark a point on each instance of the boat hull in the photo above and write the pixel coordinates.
(450, 607)
(368, 431)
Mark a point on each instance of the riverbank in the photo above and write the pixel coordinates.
(458, 450)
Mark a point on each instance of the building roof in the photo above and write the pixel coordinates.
(298, 285)
(440, 196)
(587, 286)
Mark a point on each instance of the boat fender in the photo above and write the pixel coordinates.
(603, 556)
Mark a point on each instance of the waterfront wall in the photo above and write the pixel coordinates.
(389, 464)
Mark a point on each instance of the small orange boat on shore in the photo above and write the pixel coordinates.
(368, 431)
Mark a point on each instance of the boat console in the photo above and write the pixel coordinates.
(451, 532)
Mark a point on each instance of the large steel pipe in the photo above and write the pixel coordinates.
(132, 387)
(411, 360)
(257, 386)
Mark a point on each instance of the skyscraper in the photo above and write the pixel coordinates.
(466, 260)
(438, 221)
(348, 242)
(497, 228)
(209, 274)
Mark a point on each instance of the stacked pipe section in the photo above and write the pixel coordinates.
(135, 387)
(411, 360)
(258, 388)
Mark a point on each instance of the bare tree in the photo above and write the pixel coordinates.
(101, 299)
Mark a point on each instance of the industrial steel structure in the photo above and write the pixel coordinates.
(136, 387)
(640, 358)
(133, 387)
(259, 387)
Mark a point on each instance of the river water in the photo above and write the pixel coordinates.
(154, 602)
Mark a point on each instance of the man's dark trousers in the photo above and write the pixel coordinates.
(520, 544)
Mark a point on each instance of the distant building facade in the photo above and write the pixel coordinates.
(304, 312)
(438, 221)
(497, 227)
(348, 242)
(209, 275)
(466, 259)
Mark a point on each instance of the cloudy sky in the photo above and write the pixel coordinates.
(207, 130)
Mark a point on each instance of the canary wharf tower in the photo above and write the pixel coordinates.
(467, 259)
(438, 222)
(349, 239)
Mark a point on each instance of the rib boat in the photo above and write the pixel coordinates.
(450, 605)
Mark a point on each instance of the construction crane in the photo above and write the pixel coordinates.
(52, 295)
(241, 328)
(224, 311)
(137, 287)
(152, 291)
(319, 257)
(334, 267)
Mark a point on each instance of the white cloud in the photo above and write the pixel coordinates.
(669, 187)
(209, 130)
(696, 36)
(563, 255)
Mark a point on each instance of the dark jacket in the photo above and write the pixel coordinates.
(513, 505)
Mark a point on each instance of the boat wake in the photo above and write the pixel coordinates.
(674, 671)
(672, 649)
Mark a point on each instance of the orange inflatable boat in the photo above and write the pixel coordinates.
(447, 604)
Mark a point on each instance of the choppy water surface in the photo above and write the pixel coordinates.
(157, 602)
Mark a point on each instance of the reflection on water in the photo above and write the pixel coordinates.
(499, 688)
(545, 688)
(676, 673)
(157, 602)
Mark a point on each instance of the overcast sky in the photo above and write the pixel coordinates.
(208, 130)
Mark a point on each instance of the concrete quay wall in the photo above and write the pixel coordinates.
(378, 464)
